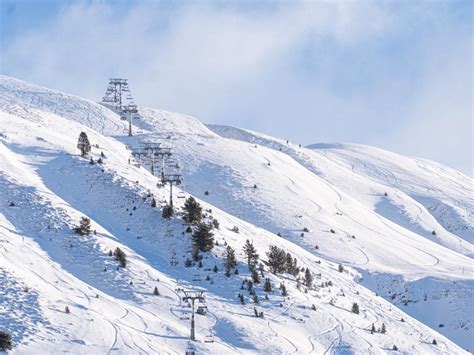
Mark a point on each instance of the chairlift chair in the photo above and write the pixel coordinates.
(201, 310)
(209, 338)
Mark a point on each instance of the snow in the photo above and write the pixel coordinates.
(393, 250)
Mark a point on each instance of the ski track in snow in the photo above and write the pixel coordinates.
(321, 189)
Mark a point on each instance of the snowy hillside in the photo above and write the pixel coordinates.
(371, 211)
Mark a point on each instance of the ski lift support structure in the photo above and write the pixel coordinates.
(193, 296)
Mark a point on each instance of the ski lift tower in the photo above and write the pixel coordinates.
(114, 94)
(129, 111)
(172, 179)
(193, 296)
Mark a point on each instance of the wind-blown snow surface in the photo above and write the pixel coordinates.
(385, 242)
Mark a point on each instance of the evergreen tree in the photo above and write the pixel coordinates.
(372, 329)
(395, 348)
(120, 257)
(284, 292)
(383, 330)
(230, 261)
(193, 210)
(434, 342)
(355, 308)
(5, 342)
(67, 310)
(276, 259)
(156, 292)
(167, 212)
(267, 286)
(255, 298)
(340, 268)
(251, 254)
(84, 227)
(83, 144)
(153, 202)
(203, 238)
(308, 278)
(255, 276)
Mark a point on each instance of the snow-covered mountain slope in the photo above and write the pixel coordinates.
(52, 187)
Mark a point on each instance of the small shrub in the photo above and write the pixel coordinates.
(340, 268)
(215, 223)
(167, 212)
(267, 286)
(67, 310)
(306, 230)
(5, 341)
(433, 232)
(434, 342)
(333, 231)
(394, 348)
(84, 227)
(120, 257)
(235, 229)
(355, 308)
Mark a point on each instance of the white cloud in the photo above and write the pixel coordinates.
(304, 70)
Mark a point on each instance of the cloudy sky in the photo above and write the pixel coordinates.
(397, 75)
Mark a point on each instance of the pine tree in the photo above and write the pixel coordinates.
(383, 330)
(193, 210)
(153, 202)
(251, 254)
(120, 257)
(434, 342)
(340, 268)
(372, 330)
(167, 212)
(276, 259)
(255, 298)
(215, 269)
(267, 286)
(203, 238)
(308, 278)
(156, 292)
(395, 348)
(84, 227)
(67, 310)
(355, 308)
(83, 144)
(284, 292)
(230, 261)
(5, 342)
(255, 276)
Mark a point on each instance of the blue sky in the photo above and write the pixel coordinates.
(397, 75)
